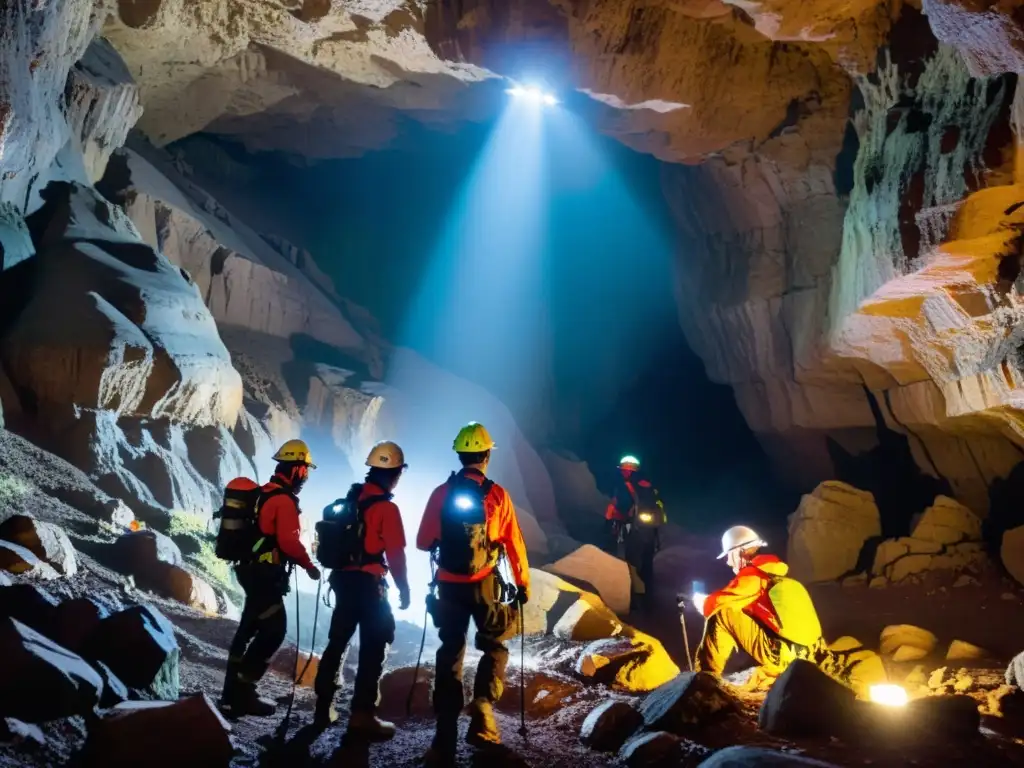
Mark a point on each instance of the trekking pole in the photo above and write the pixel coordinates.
(681, 604)
(423, 639)
(282, 730)
(522, 673)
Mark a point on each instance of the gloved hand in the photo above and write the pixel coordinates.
(403, 598)
(313, 572)
(522, 596)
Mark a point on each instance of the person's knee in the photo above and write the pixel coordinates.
(275, 625)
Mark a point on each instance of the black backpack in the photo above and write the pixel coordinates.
(341, 535)
(648, 510)
(464, 548)
(239, 536)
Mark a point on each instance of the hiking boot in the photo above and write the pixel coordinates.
(442, 750)
(368, 726)
(483, 728)
(325, 714)
(439, 758)
(242, 700)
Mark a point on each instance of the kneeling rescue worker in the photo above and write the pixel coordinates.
(361, 539)
(264, 579)
(468, 524)
(772, 618)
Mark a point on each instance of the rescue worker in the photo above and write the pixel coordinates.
(467, 551)
(262, 626)
(772, 618)
(634, 516)
(362, 595)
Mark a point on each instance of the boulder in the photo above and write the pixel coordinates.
(114, 691)
(634, 664)
(31, 605)
(20, 561)
(947, 521)
(170, 734)
(609, 725)
(759, 757)
(46, 541)
(395, 686)
(185, 587)
(1011, 552)
(303, 673)
(41, 680)
(75, 620)
(1015, 671)
(828, 531)
(963, 651)
(925, 720)
(15, 240)
(138, 552)
(908, 653)
(652, 749)
(805, 702)
(690, 700)
(892, 551)
(608, 575)
(139, 646)
(24, 736)
(896, 636)
(545, 693)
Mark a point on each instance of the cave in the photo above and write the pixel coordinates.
(769, 250)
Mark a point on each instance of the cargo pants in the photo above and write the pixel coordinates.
(362, 602)
(263, 624)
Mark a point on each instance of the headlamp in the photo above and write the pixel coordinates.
(463, 502)
(646, 517)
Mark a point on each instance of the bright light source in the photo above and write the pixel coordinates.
(889, 695)
(646, 517)
(463, 502)
(336, 508)
(536, 95)
(698, 601)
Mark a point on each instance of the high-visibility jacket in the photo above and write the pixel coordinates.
(764, 592)
(502, 528)
(385, 535)
(279, 521)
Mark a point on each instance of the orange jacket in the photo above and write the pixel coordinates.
(279, 517)
(384, 533)
(623, 503)
(502, 528)
(748, 591)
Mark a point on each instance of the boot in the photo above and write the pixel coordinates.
(483, 728)
(368, 726)
(325, 714)
(442, 750)
(244, 700)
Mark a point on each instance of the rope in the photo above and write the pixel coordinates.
(282, 730)
(423, 638)
(522, 673)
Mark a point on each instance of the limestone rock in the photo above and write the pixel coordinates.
(845, 643)
(43, 681)
(947, 521)
(395, 685)
(687, 702)
(114, 691)
(828, 531)
(609, 575)
(155, 561)
(46, 541)
(546, 694)
(908, 653)
(960, 650)
(171, 733)
(609, 725)
(102, 104)
(805, 702)
(15, 240)
(1012, 553)
(648, 749)
(18, 560)
(634, 664)
(31, 605)
(759, 757)
(897, 636)
(891, 551)
(139, 646)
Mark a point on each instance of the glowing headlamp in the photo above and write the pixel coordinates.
(646, 517)
(888, 695)
(463, 502)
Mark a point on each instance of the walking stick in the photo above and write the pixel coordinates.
(681, 604)
(522, 673)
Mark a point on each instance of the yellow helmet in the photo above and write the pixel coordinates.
(473, 438)
(295, 450)
(386, 455)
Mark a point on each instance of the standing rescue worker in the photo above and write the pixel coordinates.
(634, 516)
(468, 524)
(362, 595)
(262, 626)
(772, 618)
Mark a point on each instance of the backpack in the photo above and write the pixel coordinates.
(794, 609)
(239, 536)
(341, 535)
(465, 549)
(648, 511)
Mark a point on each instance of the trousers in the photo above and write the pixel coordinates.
(362, 602)
(731, 628)
(263, 624)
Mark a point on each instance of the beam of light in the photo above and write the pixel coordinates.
(888, 695)
(532, 94)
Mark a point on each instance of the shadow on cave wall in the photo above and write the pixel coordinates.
(889, 472)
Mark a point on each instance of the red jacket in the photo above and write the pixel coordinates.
(621, 507)
(384, 534)
(279, 517)
(502, 528)
(748, 591)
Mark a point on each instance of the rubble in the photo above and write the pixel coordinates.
(46, 541)
(960, 650)
(947, 521)
(170, 733)
(805, 702)
(828, 531)
(34, 664)
(139, 646)
(609, 725)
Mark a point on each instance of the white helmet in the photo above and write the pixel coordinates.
(740, 537)
(386, 455)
